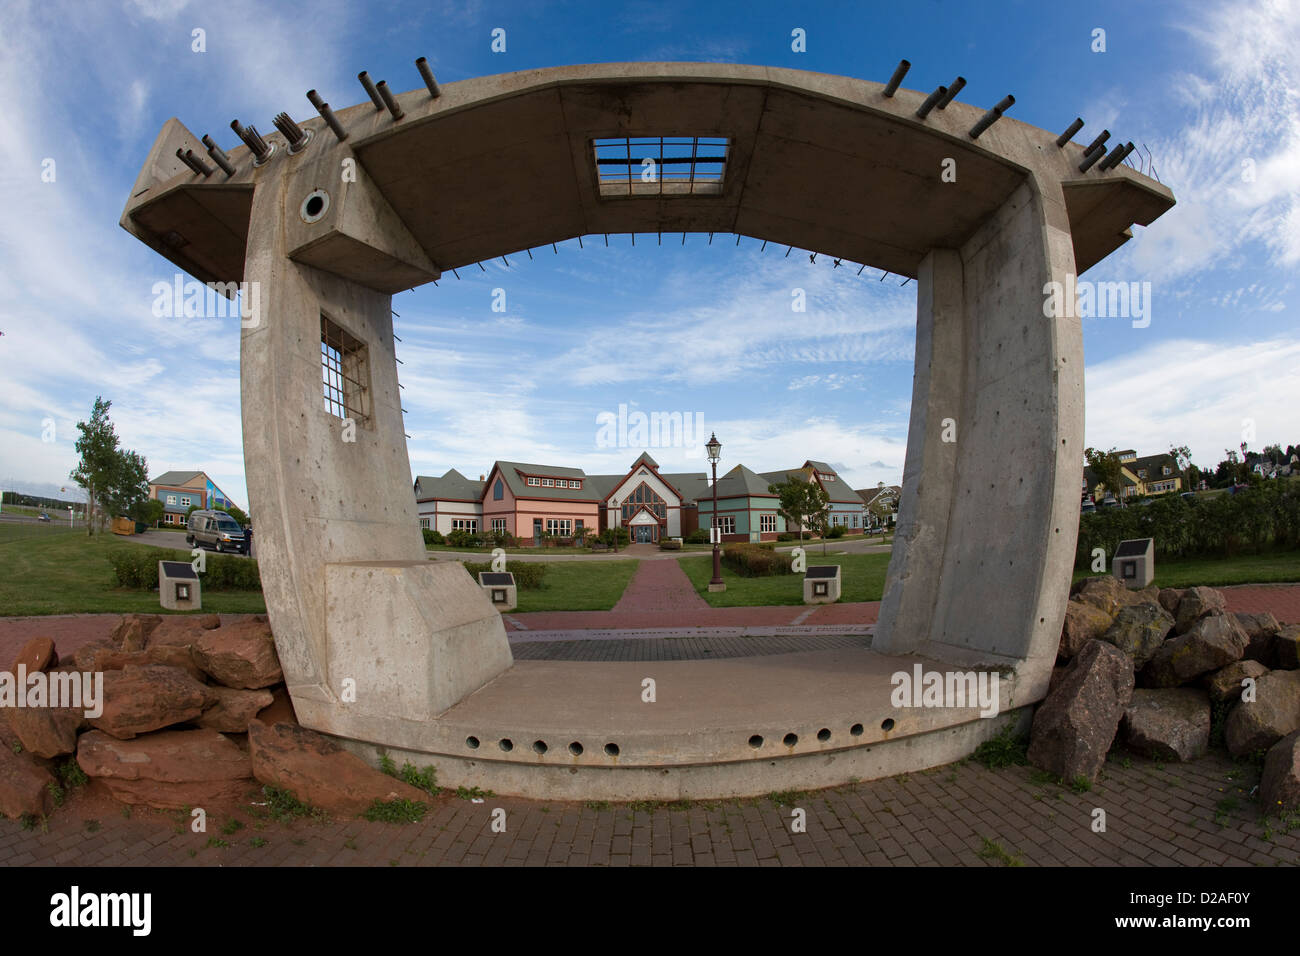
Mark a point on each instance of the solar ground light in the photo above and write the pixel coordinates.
(821, 584)
(178, 586)
(500, 588)
(1135, 562)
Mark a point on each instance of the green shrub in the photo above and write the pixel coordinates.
(136, 567)
(529, 575)
(756, 560)
(836, 531)
(669, 544)
(786, 536)
(430, 536)
(698, 536)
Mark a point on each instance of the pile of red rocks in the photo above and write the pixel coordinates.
(193, 712)
(1150, 667)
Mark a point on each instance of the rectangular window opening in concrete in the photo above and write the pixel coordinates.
(659, 166)
(345, 373)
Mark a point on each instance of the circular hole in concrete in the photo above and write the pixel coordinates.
(824, 734)
(887, 724)
(539, 746)
(756, 741)
(471, 743)
(856, 730)
(611, 750)
(790, 740)
(506, 744)
(314, 206)
(575, 748)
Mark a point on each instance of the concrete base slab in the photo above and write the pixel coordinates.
(707, 728)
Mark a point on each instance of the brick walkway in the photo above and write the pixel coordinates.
(1198, 814)
(659, 586)
(678, 648)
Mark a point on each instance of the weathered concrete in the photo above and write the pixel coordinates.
(498, 164)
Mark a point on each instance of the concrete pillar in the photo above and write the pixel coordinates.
(356, 606)
(977, 570)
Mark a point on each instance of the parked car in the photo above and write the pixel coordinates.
(1189, 497)
(43, 517)
(214, 529)
(1087, 508)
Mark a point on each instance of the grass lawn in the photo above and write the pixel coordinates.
(863, 580)
(579, 586)
(1268, 568)
(58, 570)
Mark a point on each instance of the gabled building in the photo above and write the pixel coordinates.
(1141, 476)
(532, 501)
(881, 503)
(179, 491)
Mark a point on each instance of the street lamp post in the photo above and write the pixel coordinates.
(714, 448)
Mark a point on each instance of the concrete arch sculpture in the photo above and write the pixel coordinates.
(387, 196)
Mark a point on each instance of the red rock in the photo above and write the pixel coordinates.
(1083, 623)
(183, 629)
(87, 656)
(140, 699)
(36, 655)
(281, 709)
(1195, 604)
(1279, 787)
(240, 655)
(24, 785)
(234, 709)
(174, 769)
(47, 731)
(1075, 725)
(132, 632)
(164, 655)
(320, 772)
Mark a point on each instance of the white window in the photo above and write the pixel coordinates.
(185, 501)
(855, 519)
(1142, 472)
(465, 524)
(424, 523)
(534, 481)
(561, 527)
(767, 523)
(573, 483)
(498, 524)
(548, 482)
(171, 499)
(1164, 470)
(727, 523)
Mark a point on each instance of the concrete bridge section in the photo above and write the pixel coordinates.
(329, 222)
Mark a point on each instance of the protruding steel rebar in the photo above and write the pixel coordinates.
(931, 101)
(327, 115)
(218, 155)
(291, 131)
(259, 147)
(1097, 143)
(900, 71)
(992, 116)
(1069, 132)
(1116, 156)
(389, 101)
(187, 157)
(427, 75)
(954, 88)
(369, 87)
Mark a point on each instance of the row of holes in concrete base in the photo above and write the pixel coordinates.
(611, 750)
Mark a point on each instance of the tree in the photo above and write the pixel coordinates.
(149, 511)
(1107, 469)
(235, 512)
(99, 459)
(1182, 456)
(801, 501)
(129, 486)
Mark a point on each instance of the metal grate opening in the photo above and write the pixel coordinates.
(660, 165)
(344, 376)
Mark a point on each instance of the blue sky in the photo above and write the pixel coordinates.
(1204, 86)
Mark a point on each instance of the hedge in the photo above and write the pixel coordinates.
(669, 544)
(528, 574)
(1220, 525)
(756, 560)
(136, 567)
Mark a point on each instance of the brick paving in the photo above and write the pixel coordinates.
(659, 586)
(1196, 814)
(678, 648)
